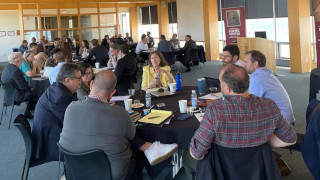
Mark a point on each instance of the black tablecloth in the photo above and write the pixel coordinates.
(314, 83)
(39, 84)
(179, 132)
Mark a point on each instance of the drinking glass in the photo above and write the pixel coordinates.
(131, 92)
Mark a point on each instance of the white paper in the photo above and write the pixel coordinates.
(119, 98)
(199, 116)
(212, 96)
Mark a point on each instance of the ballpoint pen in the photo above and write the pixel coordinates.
(153, 117)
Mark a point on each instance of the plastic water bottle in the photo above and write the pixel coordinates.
(148, 99)
(194, 99)
(178, 81)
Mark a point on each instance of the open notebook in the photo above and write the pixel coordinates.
(156, 117)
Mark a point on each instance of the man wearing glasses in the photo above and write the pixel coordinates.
(50, 110)
(231, 54)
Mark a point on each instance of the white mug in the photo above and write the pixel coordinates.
(172, 87)
(97, 65)
(128, 104)
(183, 106)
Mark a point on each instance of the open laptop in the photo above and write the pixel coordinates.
(47, 71)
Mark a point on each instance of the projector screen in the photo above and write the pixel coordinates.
(190, 19)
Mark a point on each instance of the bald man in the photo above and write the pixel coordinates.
(95, 124)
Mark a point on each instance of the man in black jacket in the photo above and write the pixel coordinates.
(125, 70)
(50, 110)
(184, 53)
(13, 75)
(56, 44)
(105, 42)
(99, 52)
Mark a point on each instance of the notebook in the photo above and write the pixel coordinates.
(156, 117)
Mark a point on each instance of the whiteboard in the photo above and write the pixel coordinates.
(190, 19)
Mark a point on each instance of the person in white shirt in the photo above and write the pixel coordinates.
(231, 55)
(142, 45)
(115, 55)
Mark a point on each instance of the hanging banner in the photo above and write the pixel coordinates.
(234, 23)
(317, 30)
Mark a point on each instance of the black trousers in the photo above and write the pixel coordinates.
(32, 102)
(183, 60)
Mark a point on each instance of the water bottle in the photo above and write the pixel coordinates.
(318, 95)
(148, 99)
(194, 99)
(178, 81)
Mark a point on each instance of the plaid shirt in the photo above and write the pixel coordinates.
(239, 122)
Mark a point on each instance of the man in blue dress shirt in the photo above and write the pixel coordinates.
(264, 83)
(62, 59)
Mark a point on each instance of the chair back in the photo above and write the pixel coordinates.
(22, 123)
(194, 55)
(93, 165)
(239, 163)
(169, 57)
(212, 82)
(9, 94)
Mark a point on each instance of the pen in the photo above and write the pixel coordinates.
(153, 117)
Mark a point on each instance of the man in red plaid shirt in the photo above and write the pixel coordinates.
(240, 119)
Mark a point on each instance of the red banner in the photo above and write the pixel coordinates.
(317, 30)
(234, 23)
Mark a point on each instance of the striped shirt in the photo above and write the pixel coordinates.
(239, 122)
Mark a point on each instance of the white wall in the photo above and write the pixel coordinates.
(190, 19)
(9, 20)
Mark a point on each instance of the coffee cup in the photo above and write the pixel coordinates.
(172, 87)
(183, 106)
(128, 104)
(97, 65)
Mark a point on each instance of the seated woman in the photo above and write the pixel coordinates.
(115, 55)
(85, 49)
(27, 66)
(52, 61)
(157, 73)
(40, 57)
(86, 73)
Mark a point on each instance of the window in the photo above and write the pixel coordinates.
(89, 21)
(49, 22)
(149, 15)
(108, 20)
(72, 34)
(69, 21)
(30, 22)
(90, 34)
(172, 12)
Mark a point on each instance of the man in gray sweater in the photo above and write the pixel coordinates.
(96, 124)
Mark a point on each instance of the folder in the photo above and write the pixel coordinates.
(156, 117)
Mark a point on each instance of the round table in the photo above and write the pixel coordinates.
(179, 132)
(39, 84)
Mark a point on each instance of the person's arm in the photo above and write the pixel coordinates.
(159, 47)
(256, 87)
(275, 142)
(90, 55)
(172, 48)
(152, 42)
(110, 64)
(204, 136)
(21, 83)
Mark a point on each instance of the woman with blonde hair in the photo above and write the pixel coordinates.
(157, 73)
(40, 57)
(27, 66)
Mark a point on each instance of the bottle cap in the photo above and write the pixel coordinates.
(193, 91)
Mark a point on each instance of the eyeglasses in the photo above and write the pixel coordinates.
(79, 78)
(87, 73)
(225, 56)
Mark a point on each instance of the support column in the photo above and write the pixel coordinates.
(117, 19)
(134, 24)
(163, 18)
(299, 35)
(21, 22)
(211, 32)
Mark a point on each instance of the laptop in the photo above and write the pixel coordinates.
(47, 71)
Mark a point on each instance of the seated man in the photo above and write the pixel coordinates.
(231, 54)
(23, 47)
(49, 114)
(240, 120)
(62, 59)
(164, 45)
(56, 44)
(125, 70)
(174, 40)
(13, 75)
(128, 39)
(96, 124)
(142, 45)
(263, 83)
(99, 52)
(184, 53)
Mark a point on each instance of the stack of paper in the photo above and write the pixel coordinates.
(212, 96)
(118, 98)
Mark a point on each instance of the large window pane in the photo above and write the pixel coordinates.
(172, 12)
(153, 28)
(107, 31)
(284, 51)
(72, 34)
(50, 35)
(89, 21)
(30, 23)
(108, 20)
(49, 22)
(69, 11)
(154, 14)
(89, 34)
(282, 30)
(69, 21)
(145, 15)
(173, 28)
(29, 35)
